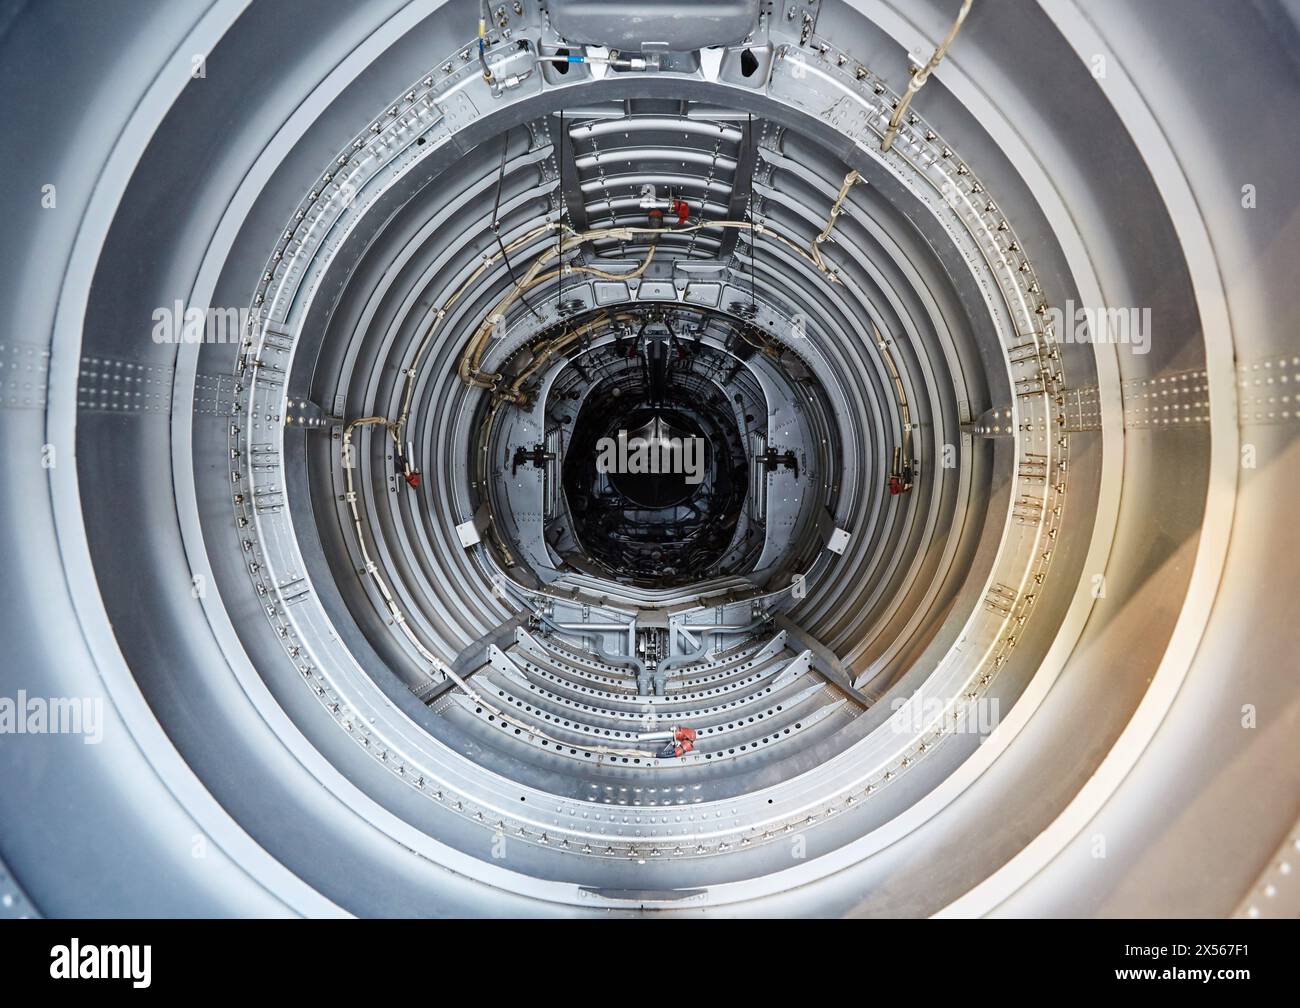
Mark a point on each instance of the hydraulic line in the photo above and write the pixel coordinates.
(534, 277)
(702, 632)
(472, 356)
(902, 464)
(849, 180)
(482, 44)
(632, 662)
(368, 564)
(629, 63)
(920, 77)
(470, 360)
(399, 618)
(544, 353)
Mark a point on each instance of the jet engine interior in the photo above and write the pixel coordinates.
(572, 458)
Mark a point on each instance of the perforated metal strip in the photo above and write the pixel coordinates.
(1276, 892)
(1081, 409)
(1174, 399)
(109, 385)
(24, 375)
(214, 394)
(1268, 391)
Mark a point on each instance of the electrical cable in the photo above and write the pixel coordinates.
(496, 225)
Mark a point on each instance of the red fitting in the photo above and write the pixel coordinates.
(685, 735)
(413, 480)
(683, 211)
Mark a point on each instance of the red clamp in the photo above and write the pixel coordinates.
(683, 741)
(683, 211)
(685, 738)
(413, 479)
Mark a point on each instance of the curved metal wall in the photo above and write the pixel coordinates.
(1142, 763)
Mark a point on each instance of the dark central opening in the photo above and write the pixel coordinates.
(656, 470)
(659, 463)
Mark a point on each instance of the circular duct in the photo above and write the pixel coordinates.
(498, 473)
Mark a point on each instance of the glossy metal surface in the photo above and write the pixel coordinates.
(273, 744)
